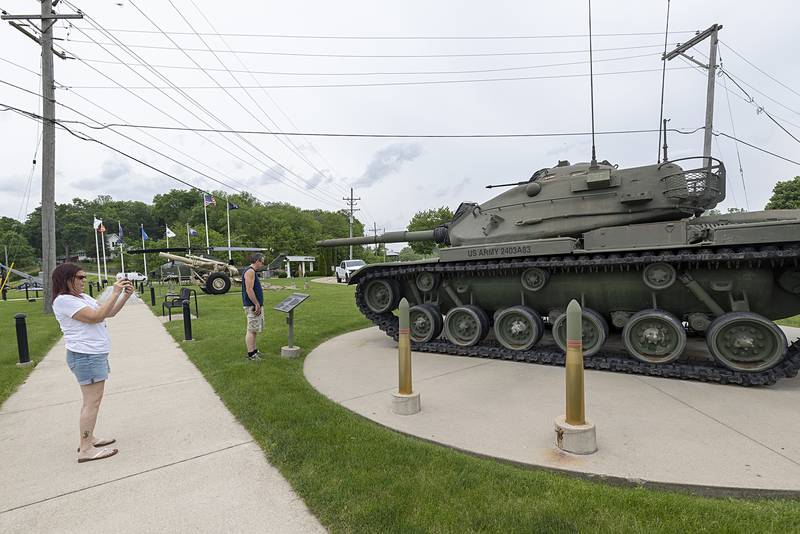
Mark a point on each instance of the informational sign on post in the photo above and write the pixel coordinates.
(287, 306)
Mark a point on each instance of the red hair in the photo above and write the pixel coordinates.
(62, 276)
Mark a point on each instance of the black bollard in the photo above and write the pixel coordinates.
(91, 293)
(22, 340)
(187, 321)
(27, 297)
(152, 296)
(5, 293)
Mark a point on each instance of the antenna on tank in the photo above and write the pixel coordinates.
(593, 165)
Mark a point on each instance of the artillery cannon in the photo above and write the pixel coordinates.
(213, 276)
(632, 246)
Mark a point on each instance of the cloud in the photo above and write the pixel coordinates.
(13, 184)
(314, 181)
(458, 188)
(110, 171)
(388, 161)
(118, 179)
(272, 175)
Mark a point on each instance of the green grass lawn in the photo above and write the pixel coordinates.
(791, 321)
(356, 476)
(43, 332)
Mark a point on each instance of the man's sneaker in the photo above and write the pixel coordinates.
(255, 357)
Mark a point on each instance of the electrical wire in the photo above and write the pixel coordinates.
(733, 129)
(768, 75)
(784, 158)
(385, 73)
(370, 56)
(405, 37)
(663, 83)
(385, 84)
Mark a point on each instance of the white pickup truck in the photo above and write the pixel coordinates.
(345, 269)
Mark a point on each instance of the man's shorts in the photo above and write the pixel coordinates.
(88, 368)
(255, 323)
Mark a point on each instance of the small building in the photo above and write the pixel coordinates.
(303, 264)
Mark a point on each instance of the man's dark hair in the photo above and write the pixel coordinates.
(257, 256)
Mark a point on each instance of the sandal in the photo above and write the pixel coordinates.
(105, 452)
(101, 443)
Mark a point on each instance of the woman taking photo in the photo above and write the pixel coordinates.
(82, 320)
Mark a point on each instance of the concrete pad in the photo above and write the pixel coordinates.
(185, 464)
(706, 436)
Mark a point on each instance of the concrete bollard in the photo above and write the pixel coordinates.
(22, 341)
(573, 432)
(152, 296)
(404, 401)
(187, 321)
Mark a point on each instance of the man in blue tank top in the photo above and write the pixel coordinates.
(253, 301)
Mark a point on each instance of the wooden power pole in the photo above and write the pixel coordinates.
(47, 18)
(712, 71)
(352, 203)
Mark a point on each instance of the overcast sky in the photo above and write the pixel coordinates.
(393, 177)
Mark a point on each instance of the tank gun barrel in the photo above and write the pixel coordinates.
(438, 234)
(200, 262)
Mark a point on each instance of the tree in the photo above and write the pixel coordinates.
(19, 251)
(785, 195)
(428, 220)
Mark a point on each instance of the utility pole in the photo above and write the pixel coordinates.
(378, 245)
(712, 71)
(48, 18)
(351, 202)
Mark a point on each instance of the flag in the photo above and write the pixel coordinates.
(101, 228)
(208, 200)
(120, 234)
(97, 223)
(232, 206)
(170, 233)
(145, 237)
(193, 232)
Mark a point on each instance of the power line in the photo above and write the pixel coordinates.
(287, 145)
(307, 191)
(370, 56)
(757, 148)
(384, 84)
(384, 73)
(264, 169)
(406, 37)
(768, 75)
(733, 129)
(266, 93)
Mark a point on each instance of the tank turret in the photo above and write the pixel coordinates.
(568, 200)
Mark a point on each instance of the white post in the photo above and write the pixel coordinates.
(105, 265)
(288, 268)
(188, 237)
(96, 253)
(205, 216)
(122, 257)
(228, 217)
(144, 247)
(166, 233)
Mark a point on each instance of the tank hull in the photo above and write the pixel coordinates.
(722, 278)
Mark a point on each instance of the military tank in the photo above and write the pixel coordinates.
(665, 290)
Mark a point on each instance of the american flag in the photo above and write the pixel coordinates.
(208, 200)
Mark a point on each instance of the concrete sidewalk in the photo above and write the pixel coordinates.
(185, 464)
(713, 439)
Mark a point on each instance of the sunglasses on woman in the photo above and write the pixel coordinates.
(81, 277)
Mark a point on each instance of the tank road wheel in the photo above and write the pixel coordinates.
(595, 331)
(518, 327)
(654, 336)
(425, 323)
(381, 295)
(466, 325)
(426, 281)
(218, 283)
(745, 341)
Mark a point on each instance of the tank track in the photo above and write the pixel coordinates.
(603, 360)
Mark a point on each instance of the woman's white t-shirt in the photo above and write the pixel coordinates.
(87, 338)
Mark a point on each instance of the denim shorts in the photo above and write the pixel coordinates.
(88, 368)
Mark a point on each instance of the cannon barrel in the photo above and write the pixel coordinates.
(199, 262)
(438, 235)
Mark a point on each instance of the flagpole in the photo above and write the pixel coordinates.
(228, 216)
(144, 247)
(97, 250)
(167, 234)
(105, 265)
(205, 216)
(188, 238)
(121, 253)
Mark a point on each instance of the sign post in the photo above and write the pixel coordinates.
(287, 306)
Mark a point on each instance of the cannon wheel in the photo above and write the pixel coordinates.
(218, 283)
